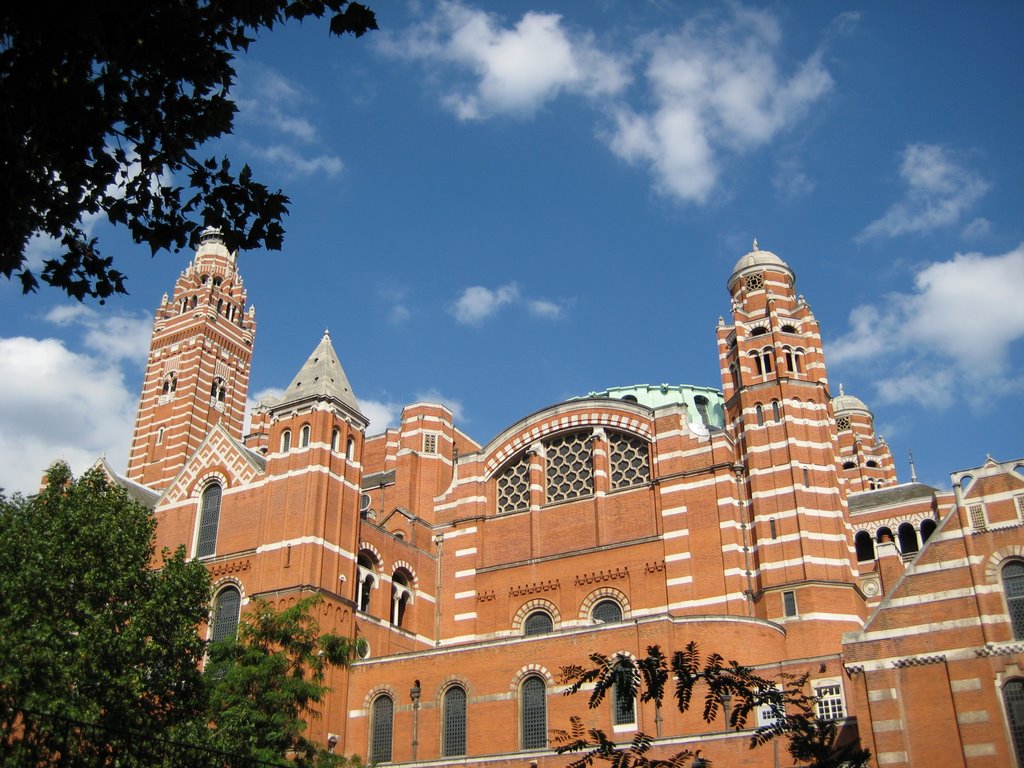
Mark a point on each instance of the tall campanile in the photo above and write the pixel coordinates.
(778, 408)
(197, 374)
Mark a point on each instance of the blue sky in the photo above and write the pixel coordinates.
(499, 209)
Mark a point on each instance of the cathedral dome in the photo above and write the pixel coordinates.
(757, 260)
(844, 402)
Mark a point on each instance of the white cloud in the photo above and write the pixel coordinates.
(514, 70)
(115, 336)
(291, 162)
(266, 97)
(454, 405)
(61, 405)
(940, 190)
(951, 336)
(717, 88)
(478, 303)
(977, 228)
(544, 308)
(381, 414)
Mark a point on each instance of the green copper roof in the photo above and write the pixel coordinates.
(662, 395)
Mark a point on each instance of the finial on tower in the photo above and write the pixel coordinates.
(841, 393)
(755, 243)
(913, 469)
(327, 334)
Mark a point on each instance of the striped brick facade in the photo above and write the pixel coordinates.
(763, 520)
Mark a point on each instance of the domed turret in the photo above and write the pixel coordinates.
(844, 403)
(756, 261)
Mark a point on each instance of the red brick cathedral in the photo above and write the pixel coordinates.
(763, 520)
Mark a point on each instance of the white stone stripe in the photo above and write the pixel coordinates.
(465, 573)
(738, 596)
(677, 556)
(459, 532)
(465, 552)
(673, 511)
(679, 580)
(676, 534)
(465, 616)
(465, 595)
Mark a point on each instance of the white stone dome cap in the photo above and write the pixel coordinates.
(843, 403)
(757, 260)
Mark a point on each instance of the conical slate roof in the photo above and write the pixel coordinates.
(321, 377)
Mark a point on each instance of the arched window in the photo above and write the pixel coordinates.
(286, 440)
(335, 439)
(219, 390)
(766, 360)
(735, 373)
(454, 736)
(776, 411)
(871, 463)
(606, 611)
(760, 414)
(350, 448)
(401, 596)
(758, 366)
(381, 715)
(225, 614)
(623, 701)
(534, 713)
(1013, 695)
(865, 547)
(849, 465)
(883, 534)
(209, 520)
(1013, 588)
(908, 538)
(788, 329)
(538, 623)
(365, 579)
(304, 436)
(927, 529)
(759, 331)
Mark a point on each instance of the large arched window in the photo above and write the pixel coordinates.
(538, 623)
(534, 713)
(1013, 588)
(209, 521)
(381, 726)
(908, 539)
(927, 528)
(606, 611)
(226, 608)
(1013, 695)
(454, 736)
(865, 547)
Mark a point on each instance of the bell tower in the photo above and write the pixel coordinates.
(778, 409)
(197, 373)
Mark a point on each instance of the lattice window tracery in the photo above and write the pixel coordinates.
(514, 486)
(755, 282)
(570, 471)
(843, 422)
(629, 459)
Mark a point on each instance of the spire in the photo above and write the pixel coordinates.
(321, 377)
(913, 469)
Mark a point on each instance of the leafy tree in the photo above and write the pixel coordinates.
(104, 109)
(89, 631)
(813, 742)
(268, 680)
